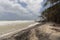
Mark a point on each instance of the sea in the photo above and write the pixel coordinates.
(12, 22)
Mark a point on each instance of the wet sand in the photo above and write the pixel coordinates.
(6, 27)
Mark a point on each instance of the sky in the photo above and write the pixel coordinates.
(22, 8)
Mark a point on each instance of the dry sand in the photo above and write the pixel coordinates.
(45, 31)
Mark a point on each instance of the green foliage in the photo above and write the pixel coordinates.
(52, 14)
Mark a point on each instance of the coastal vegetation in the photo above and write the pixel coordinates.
(52, 13)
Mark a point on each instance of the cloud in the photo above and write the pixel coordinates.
(21, 7)
(33, 5)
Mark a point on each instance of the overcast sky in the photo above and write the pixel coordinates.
(21, 7)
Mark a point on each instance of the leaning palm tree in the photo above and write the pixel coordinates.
(52, 12)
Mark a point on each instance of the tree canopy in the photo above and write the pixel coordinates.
(52, 14)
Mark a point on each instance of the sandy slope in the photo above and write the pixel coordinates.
(47, 31)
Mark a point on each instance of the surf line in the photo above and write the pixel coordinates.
(16, 31)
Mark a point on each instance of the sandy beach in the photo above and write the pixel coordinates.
(11, 26)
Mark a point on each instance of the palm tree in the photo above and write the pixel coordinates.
(52, 13)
